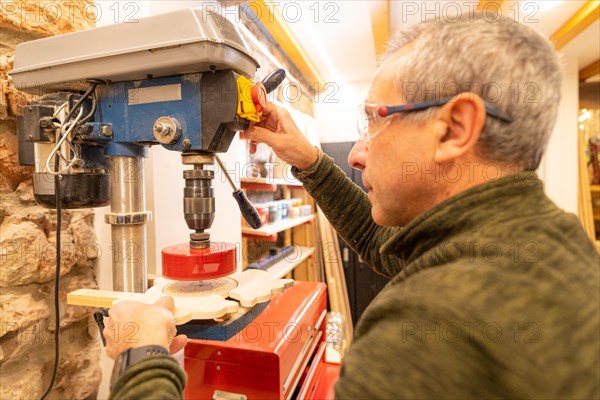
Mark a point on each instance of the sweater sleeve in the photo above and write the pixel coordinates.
(348, 209)
(152, 378)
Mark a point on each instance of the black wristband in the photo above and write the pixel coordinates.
(132, 356)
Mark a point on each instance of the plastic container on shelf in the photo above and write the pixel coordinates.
(284, 210)
(278, 210)
(305, 210)
(272, 213)
(294, 212)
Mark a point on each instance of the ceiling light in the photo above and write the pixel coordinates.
(585, 116)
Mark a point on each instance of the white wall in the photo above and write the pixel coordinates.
(335, 111)
(558, 169)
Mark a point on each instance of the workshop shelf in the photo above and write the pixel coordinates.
(298, 232)
(283, 267)
(276, 227)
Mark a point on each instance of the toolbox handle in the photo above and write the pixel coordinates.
(223, 395)
(311, 371)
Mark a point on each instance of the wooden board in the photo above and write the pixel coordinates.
(253, 286)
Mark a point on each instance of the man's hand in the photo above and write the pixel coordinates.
(277, 129)
(134, 324)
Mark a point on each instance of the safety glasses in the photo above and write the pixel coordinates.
(373, 118)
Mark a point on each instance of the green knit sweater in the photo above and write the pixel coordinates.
(159, 378)
(495, 294)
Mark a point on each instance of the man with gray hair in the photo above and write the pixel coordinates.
(494, 290)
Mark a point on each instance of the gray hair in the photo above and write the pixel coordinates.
(508, 64)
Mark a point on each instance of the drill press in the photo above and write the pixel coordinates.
(187, 89)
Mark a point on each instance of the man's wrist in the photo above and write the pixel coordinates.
(134, 355)
(310, 161)
(304, 173)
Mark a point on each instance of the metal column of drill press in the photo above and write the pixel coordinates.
(201, 259)
(128, 218)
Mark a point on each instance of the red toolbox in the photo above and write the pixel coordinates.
(269, 358)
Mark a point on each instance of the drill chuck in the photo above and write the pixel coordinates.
(198, 201)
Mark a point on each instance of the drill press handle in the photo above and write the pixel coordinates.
(248, 210)
(273, 80)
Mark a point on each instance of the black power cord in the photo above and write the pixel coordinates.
(87, 94)
(58, 202)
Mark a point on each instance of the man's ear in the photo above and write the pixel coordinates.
(463, 119)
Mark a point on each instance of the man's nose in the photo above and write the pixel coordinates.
(358, 156)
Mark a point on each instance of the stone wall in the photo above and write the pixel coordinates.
(28, 237)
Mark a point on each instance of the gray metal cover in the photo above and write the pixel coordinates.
(180, 42)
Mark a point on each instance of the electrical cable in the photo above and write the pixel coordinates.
(58, 201)
(81, 100)
(59, 109)
(93, 110)
(56, 150)
(90, 92)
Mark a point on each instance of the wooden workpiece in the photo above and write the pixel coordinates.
(194, 299)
